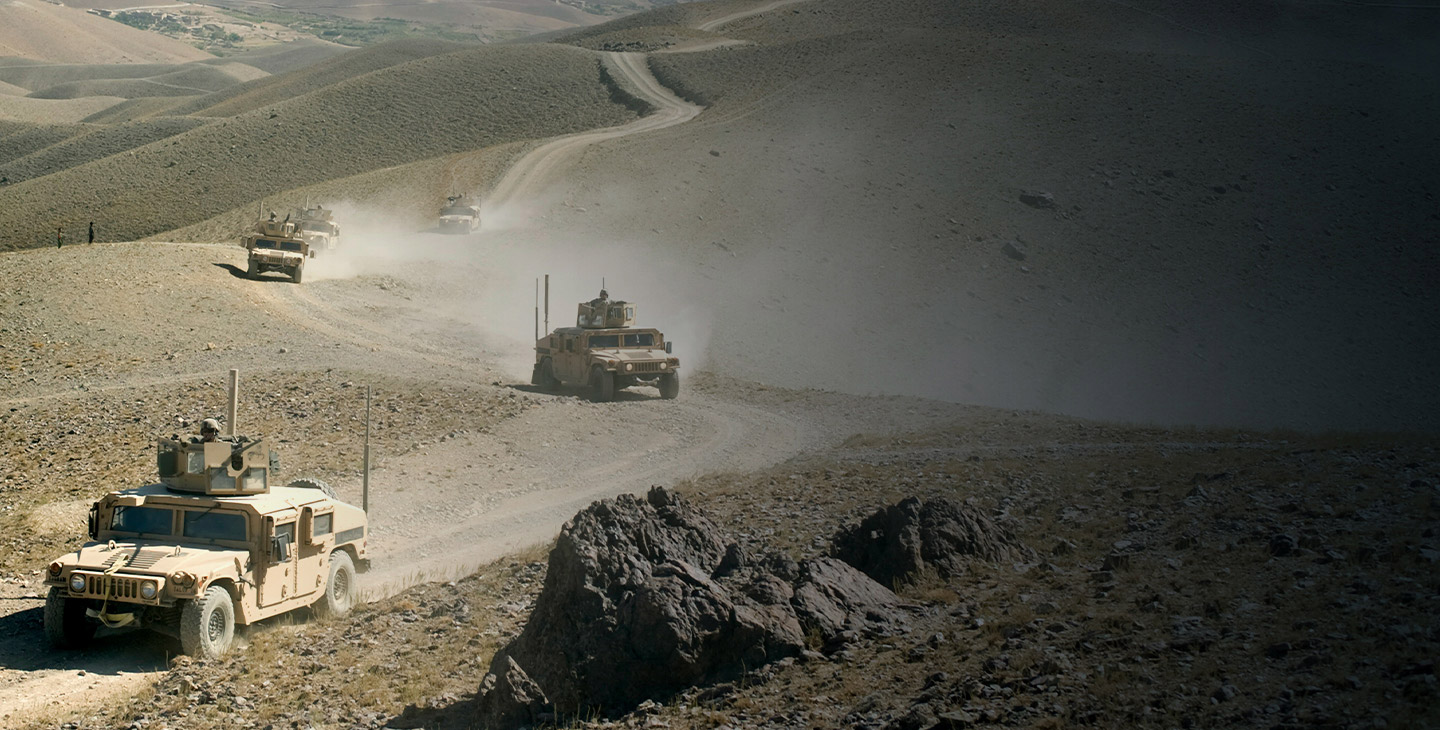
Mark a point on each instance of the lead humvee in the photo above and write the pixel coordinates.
(209, 546)
(606, 353)
(277, 246)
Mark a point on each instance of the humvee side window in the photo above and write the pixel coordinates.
(142, 520)
(215, 526)
(281, 542)
(569, 345)
(324, 524)
(605, 340)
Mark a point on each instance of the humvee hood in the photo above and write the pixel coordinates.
(148, 557)
(631, 354)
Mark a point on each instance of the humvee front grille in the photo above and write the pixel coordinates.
(118, 587)
(647, 367)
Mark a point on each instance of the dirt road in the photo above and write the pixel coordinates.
(527, 177)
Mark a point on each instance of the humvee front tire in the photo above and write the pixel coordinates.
(547, 375)
(602, 385)
(253, 271)
(207, 624)
(65, 623)
(669, 385)
(297, 274)
(339, 595)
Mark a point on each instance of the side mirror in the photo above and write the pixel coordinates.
(279, 549)
(93, 521)
(669, 347)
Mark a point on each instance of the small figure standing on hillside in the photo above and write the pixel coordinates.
(59, 236)
(92, 232)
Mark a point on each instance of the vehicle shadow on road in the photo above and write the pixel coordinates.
(234, 270)
(24, 647)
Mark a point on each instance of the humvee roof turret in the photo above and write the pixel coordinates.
(209, 546)
(604, 352)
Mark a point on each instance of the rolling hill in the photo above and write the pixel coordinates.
(52, 33)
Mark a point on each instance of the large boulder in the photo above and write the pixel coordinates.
(631, 610)
(833, 598)
(899, 541)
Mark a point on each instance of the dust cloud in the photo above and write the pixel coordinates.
(492, 281)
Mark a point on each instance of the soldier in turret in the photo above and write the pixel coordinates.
(209, 430)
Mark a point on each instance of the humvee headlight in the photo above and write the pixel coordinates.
(77, 583)
(148, 590)
(664, 365)
(54, 570)
(629, 366)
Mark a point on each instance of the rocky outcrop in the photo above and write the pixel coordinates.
(899, 541)
(644, 598)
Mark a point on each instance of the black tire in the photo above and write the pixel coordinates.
(602, 385)
(669, 385)
(297, 274)
(309, 483)
(207, 624)
(254, 270)
(339, 595)
(547, 375)
(66, 625)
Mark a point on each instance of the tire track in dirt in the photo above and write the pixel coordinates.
(515, 487)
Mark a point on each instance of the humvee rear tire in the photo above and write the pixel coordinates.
(669, 385)
(207, 624)
(65, 623)
(297, 274)
(308, 483)
(602, 385)
(339, 595)
(547, 375)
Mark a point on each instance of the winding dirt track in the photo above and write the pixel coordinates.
(536, 169)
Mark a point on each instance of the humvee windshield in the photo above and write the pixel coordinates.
(315, 226)
(282, 245)
(638, 339)
(142, 520)
(459, 210)
(215, 526)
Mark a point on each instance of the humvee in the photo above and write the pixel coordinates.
(209, 546)
(277, 246)
(606, 353)
(460, 215)
(319, 229)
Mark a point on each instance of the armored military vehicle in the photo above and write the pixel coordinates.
(605, 352)
(277, 246)
(460, 215)
(210, 545)
(319, 229)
